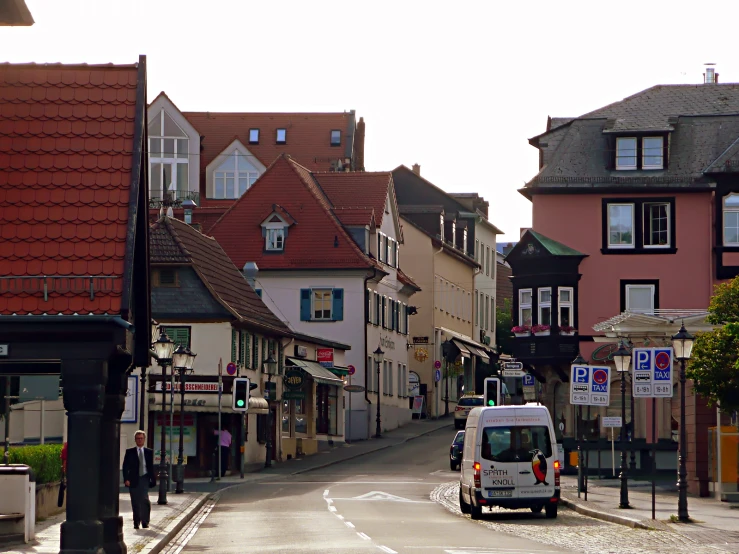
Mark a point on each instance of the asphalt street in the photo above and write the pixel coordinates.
(379, 502)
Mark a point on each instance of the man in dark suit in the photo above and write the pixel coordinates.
(139, 477)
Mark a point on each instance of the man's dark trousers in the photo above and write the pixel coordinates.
(140, 502)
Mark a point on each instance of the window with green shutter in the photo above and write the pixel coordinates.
(254, 352)
(242, 348)
(264, 352)
(234, 338)
(179, 335)
(247, 355)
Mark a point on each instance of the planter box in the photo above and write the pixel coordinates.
(542, 333)
(524, 334)
(47, 496)
(567, 333)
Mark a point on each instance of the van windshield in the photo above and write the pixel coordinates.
(516, 443)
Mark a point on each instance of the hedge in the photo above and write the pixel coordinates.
(44, 459)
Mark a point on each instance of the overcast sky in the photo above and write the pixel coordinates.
(458, 88)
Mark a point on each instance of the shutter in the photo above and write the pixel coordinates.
(337, 310)
(240, 360)
(254, 352)
(264, 353)
(397, 251)
(179, 335)
(280, 356)
(368, 305)
(304, 304)
(376, 320)
(233, 345)
(393, 316)
(247, 359)
(384, 310)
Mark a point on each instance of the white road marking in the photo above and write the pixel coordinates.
(338, 483)
(386, 549)
(328, 500)
(379, 495)
(363, 536)
(339, 516)
(332, 508)
(349, 524)
(325, 493)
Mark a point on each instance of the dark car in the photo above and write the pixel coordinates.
(455, 451)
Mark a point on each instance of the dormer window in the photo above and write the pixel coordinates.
(731, 220)
(639, 153)
(281, 136)
(253, 136)
(335, 137)
(275, 239)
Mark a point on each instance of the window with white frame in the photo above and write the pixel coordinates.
(322, 301)
(640, 298)
(474, 308)
(481, 306)
(652, 152)
(626, 153)
(620, 225)
(281, 136)
(390, 378)
(524, 307)
(275, 239)
(565, 306)
(253, 136)
(384, 377)
(487, 260)
(370, 371)
(335, 137)
(731, 220)
(545, 306)
(656, 217)
(168, 158)
(234, 176)
(487, 311)
(491, 323)
(401, 393)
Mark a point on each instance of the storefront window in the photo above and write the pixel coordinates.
(333, 408)
(301, 422)
(286, 417)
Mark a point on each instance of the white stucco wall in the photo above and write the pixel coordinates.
(485, 282)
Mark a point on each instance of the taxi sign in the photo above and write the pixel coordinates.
(653, 373)
(590, 385)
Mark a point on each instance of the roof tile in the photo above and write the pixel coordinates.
(64, 177)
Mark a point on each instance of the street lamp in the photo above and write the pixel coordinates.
(378, 356)
(622, 359)
(163, 348)
(142, 406)
(270, 366)
(682, 345)
(182, 360)
(579, 434)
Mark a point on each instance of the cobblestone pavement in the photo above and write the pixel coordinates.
(583, 534)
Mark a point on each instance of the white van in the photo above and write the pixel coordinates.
(509, 459)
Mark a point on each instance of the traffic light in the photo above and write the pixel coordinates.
(240, 395)
(492, 392)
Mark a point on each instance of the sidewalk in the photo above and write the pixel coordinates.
(711, 519)
(168, 520)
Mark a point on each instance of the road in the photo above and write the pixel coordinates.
(377, 503)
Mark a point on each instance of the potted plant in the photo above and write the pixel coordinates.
(521, 330)
(541, 330)
(567, 330)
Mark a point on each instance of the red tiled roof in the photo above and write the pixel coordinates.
(66, 154)
(316, 241)
(173, 241)
(308, 136)
(357, 191)
(403, 278)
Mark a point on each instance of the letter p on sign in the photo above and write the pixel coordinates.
(642, 359)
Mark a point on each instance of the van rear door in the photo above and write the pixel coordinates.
(536, 454)
(499, 469)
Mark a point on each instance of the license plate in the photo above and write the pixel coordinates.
(493, 494)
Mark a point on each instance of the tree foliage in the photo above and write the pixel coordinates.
(713, 365)
(503, 325)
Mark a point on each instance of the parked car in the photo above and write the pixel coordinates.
(465, 404)
(455, 451)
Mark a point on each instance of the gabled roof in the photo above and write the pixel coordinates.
(73, 179)
(175, 242)
(15, 13)
(308, 135)
(357, 193)
(316, 241)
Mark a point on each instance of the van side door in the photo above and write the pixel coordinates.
(536, 455)
(499, 471)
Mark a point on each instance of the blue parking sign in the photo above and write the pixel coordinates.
(581, 374)
(642, 358)
(528, 380)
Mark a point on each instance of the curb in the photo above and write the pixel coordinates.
(176, 526)
(597, 514)
(383, 447)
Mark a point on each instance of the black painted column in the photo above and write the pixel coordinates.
(84, 395)
(110, 457)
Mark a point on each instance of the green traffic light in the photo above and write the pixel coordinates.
(240, 403)
(491, 402)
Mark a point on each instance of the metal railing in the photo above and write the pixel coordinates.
(175, 198)
(62, 284)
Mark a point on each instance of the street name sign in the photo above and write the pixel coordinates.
(513, 373)
(653, 374)
(513, 366)
(590, 385)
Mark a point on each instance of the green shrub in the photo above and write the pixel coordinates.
(44, 459)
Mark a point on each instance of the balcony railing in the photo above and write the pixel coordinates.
(553, 348)
(156, 197)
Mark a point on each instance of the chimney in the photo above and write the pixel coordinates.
(359, 146)
(417, 169)
(710, 77)
(250, 272)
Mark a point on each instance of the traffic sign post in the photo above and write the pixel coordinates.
(652, 372)
(529, 387)
(590, 385)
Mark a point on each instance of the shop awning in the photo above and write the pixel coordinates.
(319, 373)
(462, 348)
(339, 370)
(257, 406)
(479, 352)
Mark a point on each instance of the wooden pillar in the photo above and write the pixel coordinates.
(84, 396)
(110, 457)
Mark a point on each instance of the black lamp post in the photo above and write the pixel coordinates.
(270, 366)
(163, 348)
(182, 360)
(682, 344)
(378, 356)
(622, 359)
(581, 486)
(142, 403)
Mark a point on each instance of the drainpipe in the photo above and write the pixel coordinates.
(366, 373)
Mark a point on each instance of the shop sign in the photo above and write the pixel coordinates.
(420, 340)
(190, 386)
(421, 354)
(413, 383)
(325, 356)
(293, 395)
(294, 379)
